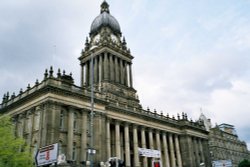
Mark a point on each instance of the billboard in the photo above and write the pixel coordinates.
(149, 153)
(222, 163)
(47, 155)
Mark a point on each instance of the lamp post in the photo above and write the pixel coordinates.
(91, 151)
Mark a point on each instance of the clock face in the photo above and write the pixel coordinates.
(114, 38)
(97, 38)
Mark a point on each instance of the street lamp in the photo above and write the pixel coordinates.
(91, 151)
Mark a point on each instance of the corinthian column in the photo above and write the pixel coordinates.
(130, 75)
(143, 142)
(127, 145)
(106, 66)
(117, 140)
(136, 154)
(121, 71)
(172, 156)
(151, 142)
(177, 146)
(125, 74)
(100, 68)
(70, 134)
(165, 147)
(84, 136)
(95, 63)
(116, 70)
(201, 151)
(108, 138)
(87, 78)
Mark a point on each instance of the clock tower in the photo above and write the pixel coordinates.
(112, 61)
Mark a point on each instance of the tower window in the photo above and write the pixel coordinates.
(75, 121)
(62, 118)
(74, 151)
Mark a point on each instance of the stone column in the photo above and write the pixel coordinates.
(127, 145)
(165, 147)
(172, 156)
(87, 79)
(143, 143)
(178, 154)
(112, 75)
(121, 71)
(158, 142)
(84, 135)
(29, 126)
(70, 134)
(206, 153)
(38, 123)
(82, 74)
(20, 125)
(44, 127)
(95, 64)
(201, 150)
(196, 147)
(106, 74)
(130, 75)
(116, 70)
(135, 141)
(108, 138)
(100, 68)
(125, 74)
(117, 140)
(151, 142)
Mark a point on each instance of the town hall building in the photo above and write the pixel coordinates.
(103, 113)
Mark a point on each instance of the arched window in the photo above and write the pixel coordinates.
(28, 123)
(74, 151)
(75, 121)
(62, 118)
(60, 151)
(35, 148)
(37, 120)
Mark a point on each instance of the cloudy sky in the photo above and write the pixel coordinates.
(188, 54)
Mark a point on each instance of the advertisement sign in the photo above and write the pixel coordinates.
(222, 163)
(47, 155)
(149, 153)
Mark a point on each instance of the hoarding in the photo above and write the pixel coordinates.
(47, 155)
(149, 153)
(222, 163)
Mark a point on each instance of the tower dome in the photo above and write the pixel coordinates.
(105, 19)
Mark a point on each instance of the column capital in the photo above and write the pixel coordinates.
(126, 123)
(135, 125)
(117, 122)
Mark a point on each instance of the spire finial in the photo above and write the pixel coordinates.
(104, 7)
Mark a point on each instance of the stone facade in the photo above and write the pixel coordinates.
(55, 110)
(224, 144)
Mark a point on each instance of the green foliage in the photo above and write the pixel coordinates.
(244, 163)
(13, 152)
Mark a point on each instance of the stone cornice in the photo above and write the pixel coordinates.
(159, 119)
(48, 86)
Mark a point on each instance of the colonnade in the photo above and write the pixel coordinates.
(120, 139)
(129, 137)
(107, 67)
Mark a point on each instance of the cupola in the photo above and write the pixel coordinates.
(105, 19)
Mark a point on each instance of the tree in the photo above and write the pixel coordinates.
(244, 163)
(13, 152)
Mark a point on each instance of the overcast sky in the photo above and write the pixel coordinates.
(188, 54)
